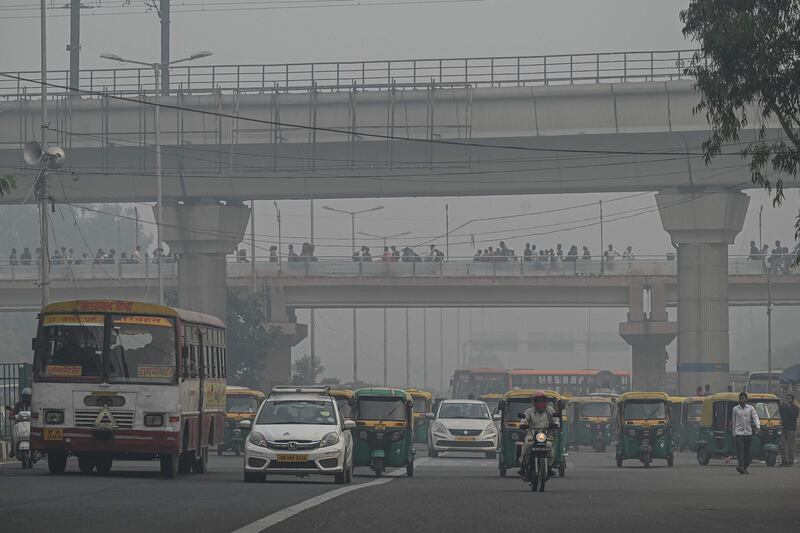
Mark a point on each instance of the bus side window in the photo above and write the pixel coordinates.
(192, 361)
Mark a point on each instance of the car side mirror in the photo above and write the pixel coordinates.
(245, 424)
(496, 417)
(349, 424)
(430, 416)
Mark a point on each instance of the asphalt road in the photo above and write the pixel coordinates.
(452, 493)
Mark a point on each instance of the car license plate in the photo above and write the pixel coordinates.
(465, 439)
(53, 434)
(292, 458)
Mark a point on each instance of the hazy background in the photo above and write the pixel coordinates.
(403, 31)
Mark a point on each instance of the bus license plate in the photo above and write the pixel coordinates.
(292, 458)
(465, 439)
(53, 434)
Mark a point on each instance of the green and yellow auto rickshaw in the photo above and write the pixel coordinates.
(384, 434)
(590, 422)
(491, 399)
(643, 428)
(241, 404)
(676, 408)
(690, 419)
(423, 404)
(716, 435)
(344, 401)
(511, 409)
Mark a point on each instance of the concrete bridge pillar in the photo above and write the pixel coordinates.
(649, 334)
(702, 225)
(202, 234)
(282, 322)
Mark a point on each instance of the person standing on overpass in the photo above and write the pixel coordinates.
(744, 422)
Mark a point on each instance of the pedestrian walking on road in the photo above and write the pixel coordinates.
(744, 422)
(789, 410)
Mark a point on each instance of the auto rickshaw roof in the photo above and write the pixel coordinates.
(416, 393)
(341, 393)
(677, 399)
(591, 399)
(528, 393)
(734, 397)
(383, 392)
(644, 396)
(234, 390)
(490, 396)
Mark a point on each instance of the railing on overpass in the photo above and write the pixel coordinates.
(338, 267)
(504, 71)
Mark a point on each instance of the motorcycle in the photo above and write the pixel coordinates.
(536, 470)
(22, 440)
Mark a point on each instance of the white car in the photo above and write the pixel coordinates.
(462, 426)
(299, 431)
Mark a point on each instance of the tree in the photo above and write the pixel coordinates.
(306, 370)
(248, 340)
(748, 70)
(7, 184)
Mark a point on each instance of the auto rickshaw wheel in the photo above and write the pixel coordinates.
(619, 462)
(503, 469)
(771, 458)
(56, 462)
(377, 466)
(237, 448)
(220, 449)
(646, 460)
(703, 457)
(86, 464)
(410, 469)
(562, 468)
(670, 460)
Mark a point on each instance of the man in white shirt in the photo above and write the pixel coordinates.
(744, 420)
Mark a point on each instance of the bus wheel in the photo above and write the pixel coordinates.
(56, 462)
(220, 449)
(169, 465)
(200, 465)
(185, 462)
(103, 464)
(86, 464)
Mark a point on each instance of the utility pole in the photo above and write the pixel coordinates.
(408, 352)
(74, 46)
(602, 244)
(441, 348)
(254, 287)
(425, 348)
(164, 16)
(458, 338)
(385, 353)
(760, 216)
(769, 331)
(312, 323)
(44, 253)
(447, 230)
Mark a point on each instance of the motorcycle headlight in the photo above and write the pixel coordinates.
(632, 432)
(659, 432)
(257, 439)
(329, 440)
(541, 437)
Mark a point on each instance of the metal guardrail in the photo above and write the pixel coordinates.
(504, 71)
(338, 267)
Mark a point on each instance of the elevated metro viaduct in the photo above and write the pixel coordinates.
(488, 126)
(329, 284)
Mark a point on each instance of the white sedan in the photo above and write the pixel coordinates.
(462, 426)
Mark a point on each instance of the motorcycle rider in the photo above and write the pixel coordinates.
(24, 404)
(540, 417)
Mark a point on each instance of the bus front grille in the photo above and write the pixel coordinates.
(86, 418)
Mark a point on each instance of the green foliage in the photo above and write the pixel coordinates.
(306, 370)
(748, 75)
(248, 340)
(7, 184)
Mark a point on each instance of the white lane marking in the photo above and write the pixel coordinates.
(279, 516)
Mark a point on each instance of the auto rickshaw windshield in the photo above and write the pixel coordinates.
(241, 404)
(596, 409)
(420, 404)
(645, 410)
(695, 410)
(379, 409)
(766, 409)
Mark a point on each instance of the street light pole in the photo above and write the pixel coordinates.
(425, 347)
(408, 353)
(44, 253)
(769, 331)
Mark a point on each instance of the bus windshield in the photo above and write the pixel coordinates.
(142, 349)
(70, 348)
(645, 410)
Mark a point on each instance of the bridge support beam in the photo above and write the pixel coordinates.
(649, 334)
(702, 224)
(202, 235)
(282, 322)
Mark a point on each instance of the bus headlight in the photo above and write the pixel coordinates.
(53, 417)
(154, 420)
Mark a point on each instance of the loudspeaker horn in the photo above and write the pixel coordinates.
(55, 157)
(33, 153)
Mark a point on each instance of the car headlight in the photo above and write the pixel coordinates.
(53, 417)
(154, 420)
(438, 427)
(541, 437)
(329, 440)
(659, 432)
(257, 439)
(632, 432)
(490, 429)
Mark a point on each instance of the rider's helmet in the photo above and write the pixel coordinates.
(25, 392)
(539, 400)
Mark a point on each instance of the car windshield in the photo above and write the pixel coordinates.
(766, 409)
(314, 412)
(695, 409)
(240, 403)
(471, 411)
(596, 409)
(645, 410)
(142, 349)
(70, 348)
(420, 405)
(375, 409)
(492, 404)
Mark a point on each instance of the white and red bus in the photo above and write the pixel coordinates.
(127, 380)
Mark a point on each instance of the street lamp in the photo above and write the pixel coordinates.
(156, 71)
(385, 342)
(353, 215)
